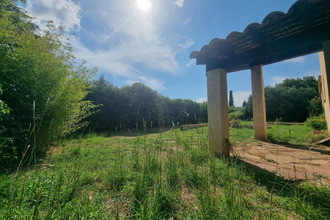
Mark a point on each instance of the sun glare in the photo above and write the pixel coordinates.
(144, 5)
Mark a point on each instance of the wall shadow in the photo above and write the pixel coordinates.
(300, 147)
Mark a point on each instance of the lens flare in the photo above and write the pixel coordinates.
(144, 5)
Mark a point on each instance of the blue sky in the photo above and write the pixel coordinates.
(130, 44)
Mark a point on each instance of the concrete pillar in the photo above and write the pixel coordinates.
(258, 101)
(217, 107)
(324, 57)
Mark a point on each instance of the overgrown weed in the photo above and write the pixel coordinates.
(145, 177)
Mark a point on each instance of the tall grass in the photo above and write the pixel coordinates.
(171, 175)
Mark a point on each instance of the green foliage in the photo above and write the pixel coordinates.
(244, 103)
(289, 100)
(139, 107)
(317, 122)
(231, 98)
(247, 109)
(112, 102)
(143, 106)
(4, 110)
(184, 111)
(7, 151)
(203, 112)
(42, 83)
(235, 115)
(315, 106)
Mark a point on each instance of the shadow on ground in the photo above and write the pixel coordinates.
(323, 149)
(317, 196)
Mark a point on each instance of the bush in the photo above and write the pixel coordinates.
(234, 117)
(315, 106)
(42, 83)
(317, 122)
(7, 151)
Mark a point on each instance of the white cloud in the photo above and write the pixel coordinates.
(201, 100)
(62, 12)
(296, 60)
(277, 80)
(179, 3)
(187, 21)
(132, 44)
(186, 44)
(121, 40)
(190, 63)
(239, 97)
(123, 59)
(152, 83)
(314, 73)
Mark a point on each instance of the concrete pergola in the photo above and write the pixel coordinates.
(303, 30)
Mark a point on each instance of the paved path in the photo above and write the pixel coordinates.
(290, 162)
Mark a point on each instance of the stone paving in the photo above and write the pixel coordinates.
(289, 162)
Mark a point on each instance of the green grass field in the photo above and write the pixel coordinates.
(169, 175)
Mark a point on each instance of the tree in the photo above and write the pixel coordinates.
(288, 100)
(112, 107)
(184, 111)
(231, 98)
(203, 112)
(143, 105)
(315, 106)
(244, 103)
(42, 84)
(138, 106)
(7, 151)
(133, 106)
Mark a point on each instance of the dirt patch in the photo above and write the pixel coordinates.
(54, 150)
(126, 137)
(289, 162)
(174, 148)
(168, 140)
(189, 198)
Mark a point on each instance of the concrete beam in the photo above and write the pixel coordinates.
(258, 101)
(217, 107)
(324, 83)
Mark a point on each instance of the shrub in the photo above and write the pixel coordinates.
(317, 122)
(7, 151)
(315, 106)
(42, 83)
(234, 118)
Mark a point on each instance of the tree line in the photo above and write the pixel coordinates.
(139, 107)
(293, 100)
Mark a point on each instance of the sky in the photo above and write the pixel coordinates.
(149, 41)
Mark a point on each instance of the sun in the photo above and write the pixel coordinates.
(144, 5)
